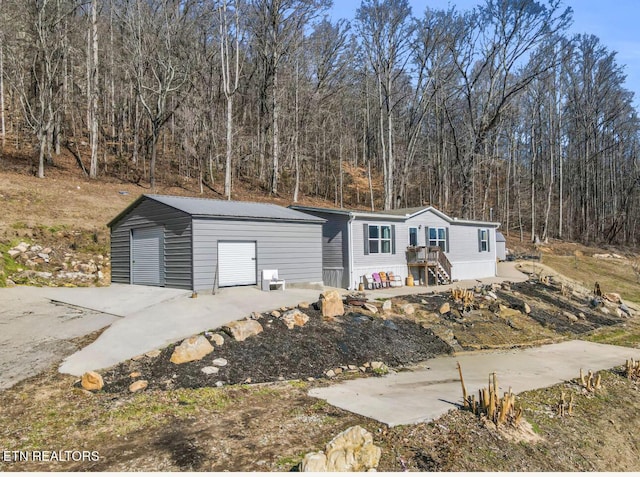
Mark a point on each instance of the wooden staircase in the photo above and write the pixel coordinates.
(434, 262)
(439, 266)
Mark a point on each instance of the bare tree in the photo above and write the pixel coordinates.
(386, 29)
(230, 53)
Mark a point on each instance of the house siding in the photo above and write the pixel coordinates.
(366, 264)
(335, 249)
(294, 249)
(466, 259)
(176, 263)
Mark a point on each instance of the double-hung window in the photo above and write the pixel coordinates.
(438, 238)
(483, 240)
(380, 239)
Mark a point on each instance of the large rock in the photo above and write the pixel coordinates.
(370, 307)
(294, 318)
(138, 386)
(217, 338)
(241, 330)
(314, 462)
(408, 309)
(191, 349)
(350, 451)
(92, 381)
(445, 308)
(613, 297)
(331, 303)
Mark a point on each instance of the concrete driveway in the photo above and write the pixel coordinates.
(36, 333)
(177, 317)
(431, 391)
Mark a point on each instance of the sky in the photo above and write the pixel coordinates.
(616, 23)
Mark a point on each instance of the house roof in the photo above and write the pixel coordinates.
(198, 207)
(397, 214)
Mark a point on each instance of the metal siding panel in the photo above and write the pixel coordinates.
(177, 243)
(294, 249)
(237, 263)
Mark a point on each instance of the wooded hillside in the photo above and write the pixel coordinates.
(494, 113)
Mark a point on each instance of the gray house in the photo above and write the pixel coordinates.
(200, 244)
(422, 242)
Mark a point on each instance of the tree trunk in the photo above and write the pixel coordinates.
(152, 165)
(93, 76)
(276, 133)
(3, 131)
(227, 173)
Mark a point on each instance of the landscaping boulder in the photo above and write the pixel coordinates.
(408, 309)
(370, 307)
(191, 349)
(613, 297)
(294, 318)
(445, 308)
(241, 330)
(350, 451)
(331, 303)
(138, 386)
(217, 338)
(92, 381)
(314, 462)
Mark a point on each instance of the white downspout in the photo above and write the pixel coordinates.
(350, 227)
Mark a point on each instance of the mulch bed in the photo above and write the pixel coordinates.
(279, 353)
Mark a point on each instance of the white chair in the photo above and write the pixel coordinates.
(368, 282)
(394, 280)
(270, 279)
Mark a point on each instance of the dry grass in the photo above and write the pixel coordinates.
(613, 275)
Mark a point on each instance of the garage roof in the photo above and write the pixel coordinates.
(224, 208)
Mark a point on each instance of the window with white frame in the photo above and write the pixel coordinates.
(380, 239)
(413, 236)
(483, 240)
(438, 238)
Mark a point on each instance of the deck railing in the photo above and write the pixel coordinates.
(431, 256)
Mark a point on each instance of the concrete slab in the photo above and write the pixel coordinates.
(117, 299)
(431, 391)
(175, 319)
(507, 271)
(36, 333)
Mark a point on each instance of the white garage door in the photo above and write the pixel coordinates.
(146, 256)
(236, 263)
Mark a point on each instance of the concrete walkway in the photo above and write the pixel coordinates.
(160, 324)
(432, 390)
(507, 271)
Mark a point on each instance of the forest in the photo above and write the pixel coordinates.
(494, 113)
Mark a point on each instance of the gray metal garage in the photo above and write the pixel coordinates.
(202, 244)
